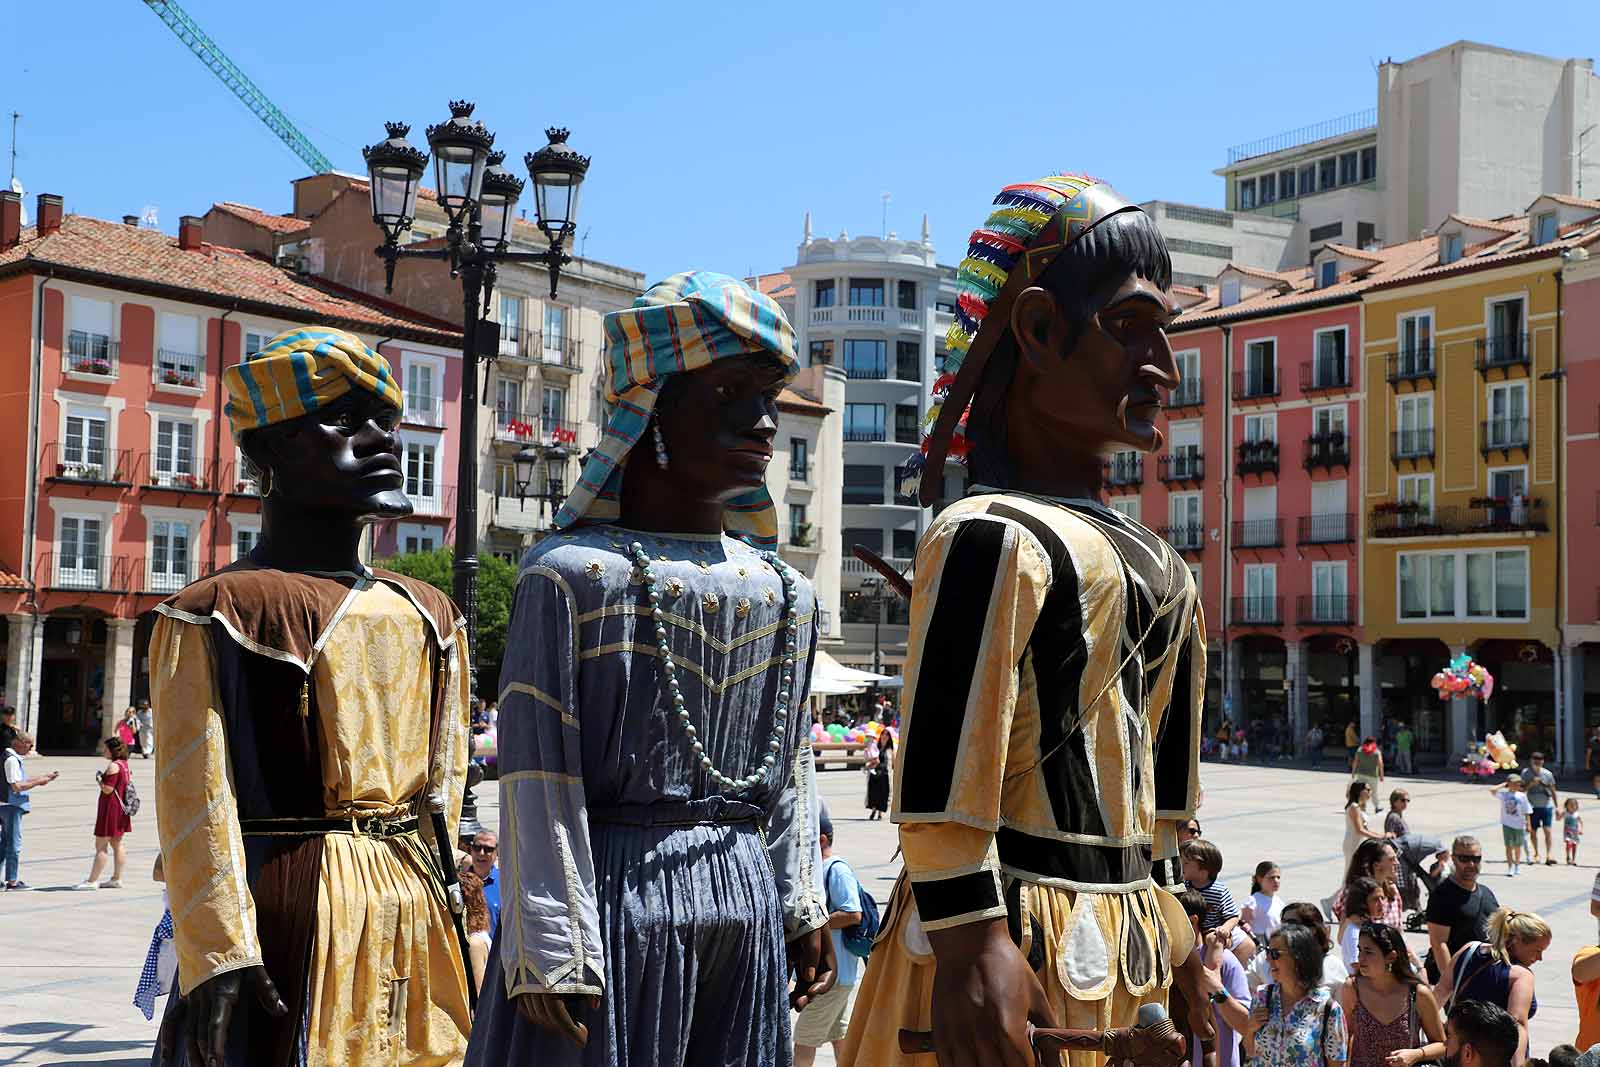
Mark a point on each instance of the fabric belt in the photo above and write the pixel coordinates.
(371, 826)
(710, 811)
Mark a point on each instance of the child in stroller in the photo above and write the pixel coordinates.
(1422, 859)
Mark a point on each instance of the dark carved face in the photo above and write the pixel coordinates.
(1103, 390)
(718, 423)
(340, 461)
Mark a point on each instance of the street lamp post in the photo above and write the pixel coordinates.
(876, 585)
(479, 198)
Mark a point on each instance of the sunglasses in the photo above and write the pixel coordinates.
(1275, 953)
(485, 849)
(1459, 858)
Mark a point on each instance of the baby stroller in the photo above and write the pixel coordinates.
(1422, 867)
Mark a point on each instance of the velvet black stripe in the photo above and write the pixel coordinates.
(1071, 861)
(1176, 738)
(962, 895)
(948, 667)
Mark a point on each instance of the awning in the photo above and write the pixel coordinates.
(828, 671)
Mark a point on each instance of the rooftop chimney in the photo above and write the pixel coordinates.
(130, 220)
(47, 213)
(10, 218)
(191, 233)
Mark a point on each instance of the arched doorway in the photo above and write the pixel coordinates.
(1264, 705)
(1333, 697)
(72, 681)
(1523, 704)
(1405, 668)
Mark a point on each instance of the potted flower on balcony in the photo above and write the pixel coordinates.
(189, 381)
(170, 376)
(245, 487)
(97, 366)
(800, 537)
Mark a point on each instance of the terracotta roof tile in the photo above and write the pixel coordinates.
(1572, 201)
(801, 402)
(1504, 225)
(1355, 253)
(264, 219)
(774, 285)
(146, 258)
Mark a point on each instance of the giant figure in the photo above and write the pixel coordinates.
(1056, 662)
(313, 721)
(659, 844)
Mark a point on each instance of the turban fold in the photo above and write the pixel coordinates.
(682, 324)
(298, 371)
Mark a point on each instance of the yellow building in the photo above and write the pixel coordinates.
(1459, 471)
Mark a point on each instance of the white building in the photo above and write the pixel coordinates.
(877, 309)
(1203, 240)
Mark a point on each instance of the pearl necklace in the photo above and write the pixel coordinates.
(669, 672)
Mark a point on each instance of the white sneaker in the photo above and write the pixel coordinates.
(86, 885)
(112, 883)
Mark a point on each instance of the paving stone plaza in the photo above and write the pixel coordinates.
(69, 960)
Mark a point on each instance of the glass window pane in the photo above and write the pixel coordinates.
(1511, 585)
(1412, 603)
(1480, 584)
(1442, 586)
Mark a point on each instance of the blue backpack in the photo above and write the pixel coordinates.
(858, 938)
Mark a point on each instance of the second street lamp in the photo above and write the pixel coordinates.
(479, 198)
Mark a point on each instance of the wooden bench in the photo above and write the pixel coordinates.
(847, 753)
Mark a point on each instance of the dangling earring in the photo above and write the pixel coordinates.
(264, 481)
(661, 445)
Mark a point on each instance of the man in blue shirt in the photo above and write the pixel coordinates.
(826, 1019)
(484, 849)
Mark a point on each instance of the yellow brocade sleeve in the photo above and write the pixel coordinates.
(447, 778)
(213, 914)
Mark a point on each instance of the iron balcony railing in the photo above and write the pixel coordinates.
(1185, 537)
(1188, 394)
(1503, 350)
(1253, 384)
(857, 435)
(518, 344)
(1502, 435)
(1325, 608)
(800, 469)
(181, 370)
(434, 502)
(166, 574)
(1513, 514)
(515, 427)
(560, 352)
(1408, 518)
(1411, 364)
(177, 472)
(68, 569)
(1327, 450)
(555, 432)
(1411, 444)
(67, 462)
(423, 410)
(1320, 131)
(1327, 529)
(1184, 464)
(1258, 610)
(1322, 374)
(805, 535)
(1125, 468)
(1258, 533)
(90, 353)
(1257, 457)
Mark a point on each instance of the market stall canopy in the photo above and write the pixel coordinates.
(827, 670)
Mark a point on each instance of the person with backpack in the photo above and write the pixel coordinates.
(1294, 1020)
(853, 922)
(114, 815)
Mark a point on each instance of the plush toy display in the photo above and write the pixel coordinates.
(1464, 678)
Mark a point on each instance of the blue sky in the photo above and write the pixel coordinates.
(715, 127)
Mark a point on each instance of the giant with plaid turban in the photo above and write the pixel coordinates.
(298, 372)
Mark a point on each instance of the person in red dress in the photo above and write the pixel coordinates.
(111, 821)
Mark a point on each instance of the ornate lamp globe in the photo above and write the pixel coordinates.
(557, 172)
(395, 169)
(497, 203)
(460, 155)
(525, 460)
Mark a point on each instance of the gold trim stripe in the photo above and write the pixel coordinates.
(542, 697)
(693, 627)
(689, 665)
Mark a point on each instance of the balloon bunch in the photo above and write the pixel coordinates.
(855, 735)
(1464, 678)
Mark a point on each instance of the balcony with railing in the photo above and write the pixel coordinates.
(1500, 514)
(513, 427)
(90, 355)
(801, 470)
(178, 370)
(1327, 450)
(243, 481)
(177, 473)
(423, 411)
(1502, 352)
(1410, 518)
(1124, 469)
(1257, 611)
(438, 503)
(165, 574)
(518, 346)
(71, 570)
(1411, 365)
(1257, 457)
(1182, 465)
(558, 352)
(1324, 375)
(1256, 384)
(1188, 394)
(557, 432)
(1185, 537)
(65, 462)
(1325, 608)
(804, 537)
(1258, 533)
(1502, 435)
(865, 434)
(1410, 445)
(1327, 529)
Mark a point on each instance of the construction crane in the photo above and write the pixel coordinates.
(178, 20)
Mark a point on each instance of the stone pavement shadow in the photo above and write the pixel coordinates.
(60, 1043)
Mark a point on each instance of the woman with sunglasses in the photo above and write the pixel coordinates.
(1500, 970)
(1386, 987)
(1294, 1020)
